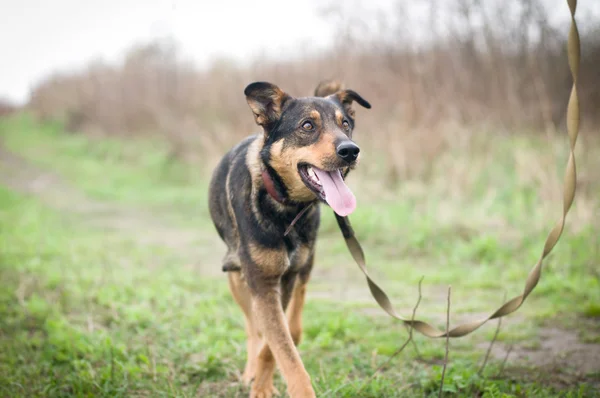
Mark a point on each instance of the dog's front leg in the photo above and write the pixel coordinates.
(271, 320)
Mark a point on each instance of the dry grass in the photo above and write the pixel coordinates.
(488, 70)
(6, 108)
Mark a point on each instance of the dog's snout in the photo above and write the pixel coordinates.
(348, 151)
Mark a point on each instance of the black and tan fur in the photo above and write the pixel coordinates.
(268, 272)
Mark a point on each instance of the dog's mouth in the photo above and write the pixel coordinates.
(329, 186)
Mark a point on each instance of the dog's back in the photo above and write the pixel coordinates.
(229, 181)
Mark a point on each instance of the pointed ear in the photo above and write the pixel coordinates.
(328, 87)
(347, 97)
(266, 101)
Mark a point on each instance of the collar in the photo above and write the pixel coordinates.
(270, 187)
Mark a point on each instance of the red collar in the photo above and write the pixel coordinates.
(270, 187)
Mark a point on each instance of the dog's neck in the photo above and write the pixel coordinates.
(261, 173)
(270, 187)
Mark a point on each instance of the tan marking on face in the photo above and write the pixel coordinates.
(342, 95)
(339, 117)
(316, 116)
(285, 162)
(272, 262)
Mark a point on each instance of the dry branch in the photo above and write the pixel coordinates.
(403, 346)
(489, 350)
(447, 342)
(504, 361)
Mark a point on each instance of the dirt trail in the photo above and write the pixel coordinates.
(560, 359)
(561, 354)
(146, 227)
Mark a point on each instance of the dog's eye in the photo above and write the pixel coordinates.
(308, 126)
(346, 125)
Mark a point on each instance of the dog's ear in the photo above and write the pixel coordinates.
(266, 101)
(347, 97)
(328, 87)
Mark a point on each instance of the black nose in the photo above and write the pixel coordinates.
(348, 151)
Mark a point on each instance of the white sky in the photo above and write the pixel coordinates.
(38, 37)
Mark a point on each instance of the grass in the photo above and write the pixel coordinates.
(89, 310)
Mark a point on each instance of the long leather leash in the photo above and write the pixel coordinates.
(534, 275)
(533, 278)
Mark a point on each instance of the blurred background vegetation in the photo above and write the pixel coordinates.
(461, 65)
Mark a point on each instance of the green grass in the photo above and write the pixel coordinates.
(90, 311)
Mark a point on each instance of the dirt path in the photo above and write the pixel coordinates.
(561, 356)
(561, 359)
(20, 175)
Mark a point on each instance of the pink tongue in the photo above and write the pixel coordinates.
(337, 194)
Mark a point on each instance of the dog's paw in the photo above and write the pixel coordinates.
(263, 391)
(247, 377)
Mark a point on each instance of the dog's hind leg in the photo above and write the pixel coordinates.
(241, 294)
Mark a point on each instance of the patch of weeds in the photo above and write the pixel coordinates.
(84, 312)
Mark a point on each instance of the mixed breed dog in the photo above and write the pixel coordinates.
(264, 197)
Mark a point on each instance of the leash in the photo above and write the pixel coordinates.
(295, 220)
(271, 190)
(570, 183)
(534, 275)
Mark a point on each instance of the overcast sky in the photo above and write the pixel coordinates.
(38, 37)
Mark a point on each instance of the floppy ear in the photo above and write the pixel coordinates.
(347, 97)
(328, 87)
(266, 101)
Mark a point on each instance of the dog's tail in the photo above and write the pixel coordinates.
(328, 87)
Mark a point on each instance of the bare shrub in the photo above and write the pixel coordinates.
(7, 107)
(477, 66)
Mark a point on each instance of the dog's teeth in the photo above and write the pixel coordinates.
(312, 174)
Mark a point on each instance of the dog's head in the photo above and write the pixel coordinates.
(308, 141)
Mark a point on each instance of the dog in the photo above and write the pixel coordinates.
(264, 201)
